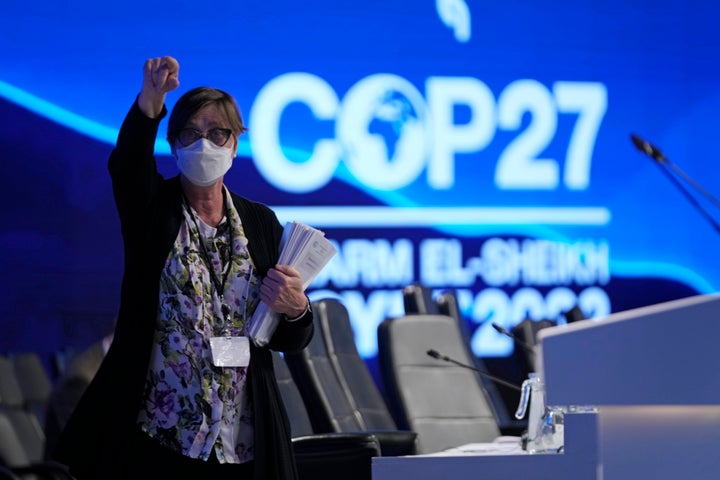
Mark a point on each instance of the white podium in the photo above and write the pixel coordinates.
(654, 374)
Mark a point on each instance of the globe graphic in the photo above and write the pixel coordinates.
(382, 130)
(393, 117)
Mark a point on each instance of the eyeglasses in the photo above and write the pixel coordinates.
(218, 136)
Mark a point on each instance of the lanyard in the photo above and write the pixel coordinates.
(218, 283)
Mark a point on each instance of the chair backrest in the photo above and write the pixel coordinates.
(24, 422)
(320, 386)
(10, 392)
(297, 412)
(336, 384)
(15, 463)
(369, 407)
(418, 299)
(526, 334)
(327, 403)
(12, 452)
(444, 403)
(34, 381)
(322, 456)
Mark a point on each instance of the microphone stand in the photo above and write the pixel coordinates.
(437, 355)
(509, 334)
(667, 167)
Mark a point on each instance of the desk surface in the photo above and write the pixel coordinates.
(578, 462)
(617, 443)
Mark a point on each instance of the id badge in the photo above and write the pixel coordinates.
(230, 351)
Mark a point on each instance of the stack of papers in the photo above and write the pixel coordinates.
(306, 250)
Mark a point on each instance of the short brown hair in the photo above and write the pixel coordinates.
(195, 100)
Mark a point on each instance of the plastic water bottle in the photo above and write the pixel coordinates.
(545, 425)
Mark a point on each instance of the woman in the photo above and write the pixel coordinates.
(181, 392)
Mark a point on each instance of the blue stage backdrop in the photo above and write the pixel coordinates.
(480, 146)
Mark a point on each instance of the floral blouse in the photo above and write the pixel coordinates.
(190, 405)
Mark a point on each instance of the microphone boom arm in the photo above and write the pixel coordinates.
(667, 167)
(437, 355)
(693, 201)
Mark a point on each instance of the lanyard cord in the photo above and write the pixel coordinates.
(205, 256)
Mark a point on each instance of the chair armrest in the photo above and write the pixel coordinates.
(396, 443)
(340, 443)
(329, 456)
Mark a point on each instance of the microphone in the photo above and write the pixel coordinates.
(648, 148)
(514, 337)
(653, 152)
(435, 354)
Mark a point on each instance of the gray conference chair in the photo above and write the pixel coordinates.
(419, 298)
(323, 456)
(21, 435)
(444, 403)
(337, 386)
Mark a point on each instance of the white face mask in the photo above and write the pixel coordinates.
(203, 162)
